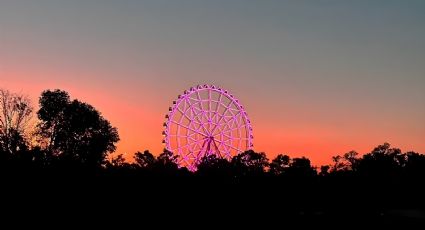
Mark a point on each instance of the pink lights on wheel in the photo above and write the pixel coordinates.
(206, 120)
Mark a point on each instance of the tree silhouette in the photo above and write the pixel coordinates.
(280, 164)
(15, 115)
(117, 162)
(144, 160)
(382, 161)
(14, 149)
(324, 170)
(250, 163)
(347, 162)
(301, 167)
(415, 165)
(76, 132)
(52, 105)
(166, 163)
(213, 166)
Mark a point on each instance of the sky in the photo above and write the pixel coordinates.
(317, 78)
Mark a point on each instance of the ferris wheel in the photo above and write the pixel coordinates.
(206, 120)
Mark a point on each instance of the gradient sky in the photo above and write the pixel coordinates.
(318, 78)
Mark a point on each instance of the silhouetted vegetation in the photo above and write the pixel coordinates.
(74, 132)
(73, 141)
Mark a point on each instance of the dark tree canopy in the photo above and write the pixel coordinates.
(75, 131)
(250, 163)
(166, 162)
(214, 166)
(301, 167)
(280, 164)
(145, 160)
(383, 160)
(15, 114)
(347, 162)
(52, 104)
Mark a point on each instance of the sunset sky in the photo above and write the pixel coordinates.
(317, 78)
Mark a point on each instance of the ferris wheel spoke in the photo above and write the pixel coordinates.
(222, 141)
(217, 149)
(218, 125)
(239, 125)
(230, 146)
(226, 128)
(197, 144)
(218, 106)
(190, 144)
(223, 114)
(196, 115)
(188, 137)
(199, 155)
(226, 149)
(209, 106)
(191, 120)
(188, 128)
(230, 130)
(198, 95)
(223, 120)
(186, 116)
(200, 100)
(234, 117)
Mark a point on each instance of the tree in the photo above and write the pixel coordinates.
(347, 162)
(280, 164)
(74, 131)
(52, 106)
(383, 160)
(166, 165)
(214, 166)
(15, 115)
(144, 160)
(415, 164)
(250, 162)
(324, 170)
(118, 162)
(167, 160)
(301, 167)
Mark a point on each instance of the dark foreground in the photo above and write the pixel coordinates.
(179, 201)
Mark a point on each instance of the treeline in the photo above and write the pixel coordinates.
(70, 134)
(67, 132)
(63, 156)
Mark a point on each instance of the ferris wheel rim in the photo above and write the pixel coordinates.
(185, 98)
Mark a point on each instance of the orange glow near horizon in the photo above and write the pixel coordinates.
(140, 125)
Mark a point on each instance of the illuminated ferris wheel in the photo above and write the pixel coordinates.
(206, 120)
